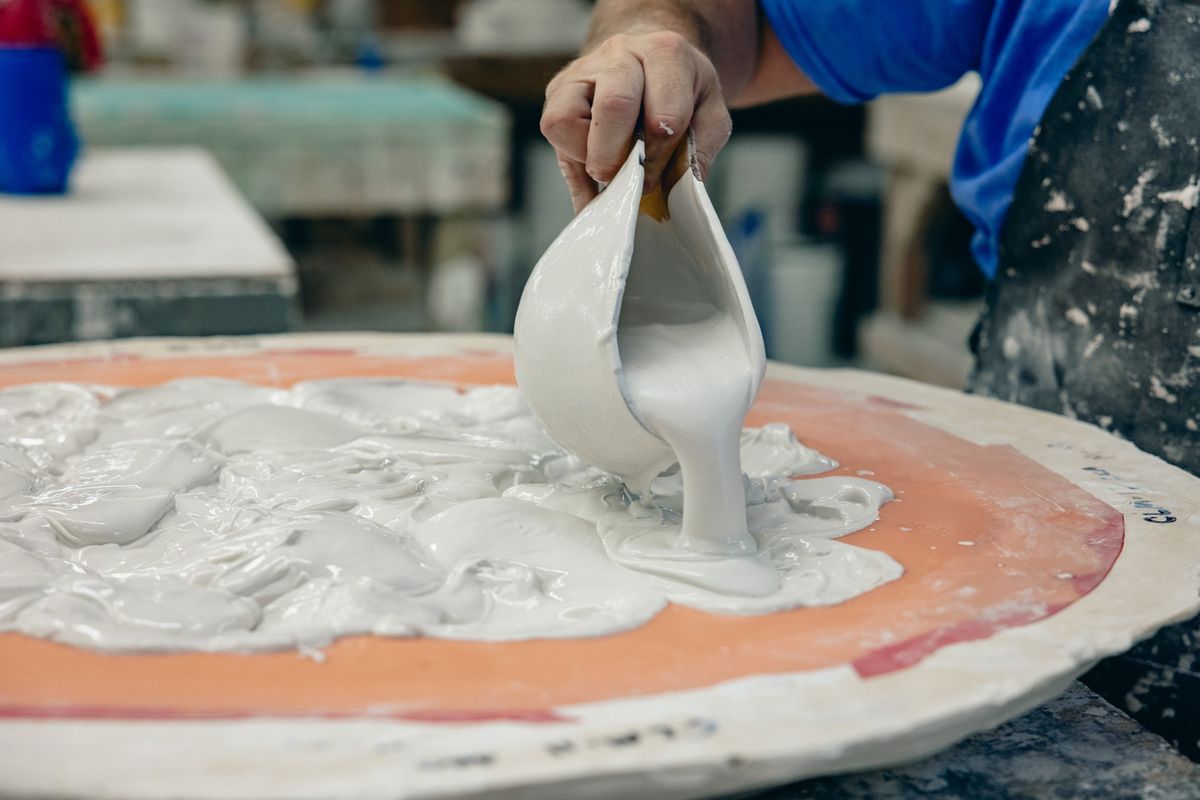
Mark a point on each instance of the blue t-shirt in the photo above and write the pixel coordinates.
(854, 50)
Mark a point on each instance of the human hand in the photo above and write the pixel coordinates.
(594, 104)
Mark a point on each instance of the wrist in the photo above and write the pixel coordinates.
(613, 19)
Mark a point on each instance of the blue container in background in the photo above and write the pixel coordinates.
(37, 141)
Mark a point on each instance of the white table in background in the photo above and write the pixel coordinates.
(149, 241)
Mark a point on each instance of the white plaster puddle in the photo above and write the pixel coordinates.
(213, 515)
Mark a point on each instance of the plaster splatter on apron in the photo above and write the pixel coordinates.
(1095, 311)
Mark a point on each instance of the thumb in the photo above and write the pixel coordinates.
(583, 189)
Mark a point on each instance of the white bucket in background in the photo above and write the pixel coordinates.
(200, 38)
(805, 282)
(457, 294)
(215, 43)
(154, 25)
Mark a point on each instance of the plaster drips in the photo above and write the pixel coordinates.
(211, 515)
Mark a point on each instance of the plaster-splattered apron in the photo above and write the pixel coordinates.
(1095, 311)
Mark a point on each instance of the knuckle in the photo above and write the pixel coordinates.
(598, 159)
(668, 43)
(617, 105)
(572, 71)
(602, 168)
(554, 83)
(663, 126)
(615, 43)
(552, 123)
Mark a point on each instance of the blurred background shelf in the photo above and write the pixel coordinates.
(149, 242)
(319, 144)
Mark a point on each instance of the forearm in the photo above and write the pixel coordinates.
(727, 31)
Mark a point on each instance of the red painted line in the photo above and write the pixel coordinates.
(911, 651)
(1108, 541)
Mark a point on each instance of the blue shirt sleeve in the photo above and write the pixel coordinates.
(854, 50)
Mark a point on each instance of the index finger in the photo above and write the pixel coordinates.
(615, 110)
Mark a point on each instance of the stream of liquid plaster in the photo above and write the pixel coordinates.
(689, 382)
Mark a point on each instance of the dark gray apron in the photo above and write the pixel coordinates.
(1095, 310)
